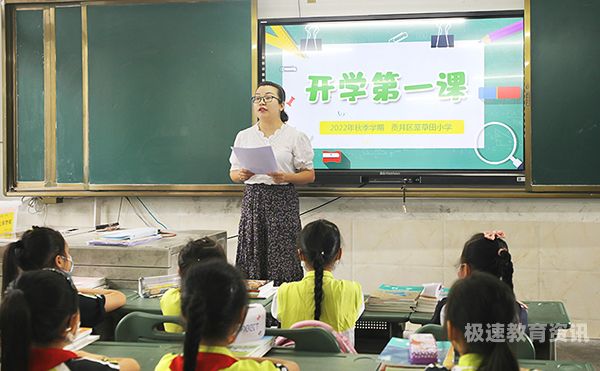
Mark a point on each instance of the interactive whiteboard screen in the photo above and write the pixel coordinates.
(435, 94)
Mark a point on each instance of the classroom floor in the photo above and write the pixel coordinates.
(586, 352)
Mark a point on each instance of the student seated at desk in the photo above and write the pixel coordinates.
(38, 317)
(338, 303)
(486, 252)
(481, 301)
(42, 247)
(214, 302)
(192, 253)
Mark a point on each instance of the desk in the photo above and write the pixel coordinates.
(148, 356)
(373, 320)
(135, 303)
(547, 315)
(541, 365)
(374, 329)
(122, 266)
(550, 313)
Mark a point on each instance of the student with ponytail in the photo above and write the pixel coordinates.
(319, 295)
(42, 247)
(486, 252)
(480, 300)
(192, 253)
(38, 317)
(214, 302)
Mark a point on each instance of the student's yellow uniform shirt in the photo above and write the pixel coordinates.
(468, 362)
(215, 355)
(170, 305)
(340, 308)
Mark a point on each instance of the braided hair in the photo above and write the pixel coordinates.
(212, 299)
(490, 256)
(320, 243)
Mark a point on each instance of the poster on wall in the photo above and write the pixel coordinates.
(415, 94)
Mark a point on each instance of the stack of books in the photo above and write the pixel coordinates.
(257, 348)
(90, 282)
(127, 237)
(83, 338)
(429, 297)
(389, 298)
(426, 304)
(155, 286)
(260, 289)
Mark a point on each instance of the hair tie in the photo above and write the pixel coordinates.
(502, 249)
(492, 235)
(12, 287)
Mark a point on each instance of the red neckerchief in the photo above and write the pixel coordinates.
(205, 362)
(43, 359)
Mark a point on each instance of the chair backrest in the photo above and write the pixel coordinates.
(146, 327)
(309, 339)
(437, 331)
(343, 342)
(523, 349)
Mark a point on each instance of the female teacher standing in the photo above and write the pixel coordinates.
(270, 220)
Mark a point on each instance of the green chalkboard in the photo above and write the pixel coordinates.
(565, 86)
(30, 95)
(69, 128)
(169, 88)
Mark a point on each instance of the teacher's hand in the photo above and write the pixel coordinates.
(279, 177)
(245, 175)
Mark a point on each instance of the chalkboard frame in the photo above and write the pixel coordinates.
(49, 185)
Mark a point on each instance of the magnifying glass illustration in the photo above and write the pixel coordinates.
(515, 161)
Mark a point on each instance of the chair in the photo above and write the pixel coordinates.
(309, 339)
(438, 331)
(146, 327)
(523, 349)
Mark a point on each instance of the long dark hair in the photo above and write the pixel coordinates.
(198, 250)
(480, 299)
(212, 299)
(320, 243)
(281, 96)
(35, 309)
(37, 249)
(489, 256)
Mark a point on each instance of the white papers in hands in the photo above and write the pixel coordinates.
(260, 160)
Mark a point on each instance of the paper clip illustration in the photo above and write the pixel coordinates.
(399, 37)
(311, 42)
(443, 39)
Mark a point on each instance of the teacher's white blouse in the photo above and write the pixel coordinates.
(292, 148)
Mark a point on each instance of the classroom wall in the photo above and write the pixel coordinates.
(554, 242)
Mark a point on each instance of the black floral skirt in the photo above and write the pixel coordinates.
(269, 227)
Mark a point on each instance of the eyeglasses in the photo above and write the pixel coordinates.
(265, 98)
